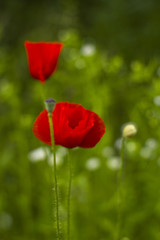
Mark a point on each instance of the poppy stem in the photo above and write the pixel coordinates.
(55, 174)
(69, 195)
(120, 190)
(42, 91)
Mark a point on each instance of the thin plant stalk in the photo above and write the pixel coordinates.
(42, 92)
(69, 196)
(55, 174)
(120, 189)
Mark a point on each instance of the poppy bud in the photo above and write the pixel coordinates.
(50, 104)
(42, 58)
(129, 130)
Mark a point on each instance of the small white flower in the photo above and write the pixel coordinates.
(38, 154)
(93, 164)
(88, 49)
(114, 163)
(60, 154)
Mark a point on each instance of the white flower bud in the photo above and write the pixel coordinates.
(129, 130)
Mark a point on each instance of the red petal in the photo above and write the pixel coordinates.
(42, 58)
(69, 129)
(95, 134)
(41, 128)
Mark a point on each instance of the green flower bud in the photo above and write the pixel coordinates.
(50, 104)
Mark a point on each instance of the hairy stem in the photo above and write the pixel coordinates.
(69, 196)
(55, 174)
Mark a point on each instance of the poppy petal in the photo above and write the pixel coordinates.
(41, 127)
(42, 58)
(68, 132)
(95, 134)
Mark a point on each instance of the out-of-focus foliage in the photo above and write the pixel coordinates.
(129, 28)
(94, 72)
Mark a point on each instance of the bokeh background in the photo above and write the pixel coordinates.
(110, 64)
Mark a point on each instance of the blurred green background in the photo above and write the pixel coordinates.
(110, 64)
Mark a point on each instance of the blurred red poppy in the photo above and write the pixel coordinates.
(42, 58)
(73, 126)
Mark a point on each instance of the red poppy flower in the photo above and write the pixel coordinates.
(73, 126)
(42, 58)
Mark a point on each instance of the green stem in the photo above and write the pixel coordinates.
(120, 190)
(42, 92)
(122, 160)
(69, 196)
(55, 174)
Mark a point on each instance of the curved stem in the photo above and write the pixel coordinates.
(69, 196)
(55, 174)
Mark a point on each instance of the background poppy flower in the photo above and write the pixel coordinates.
(73, 126)
(42, 58)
